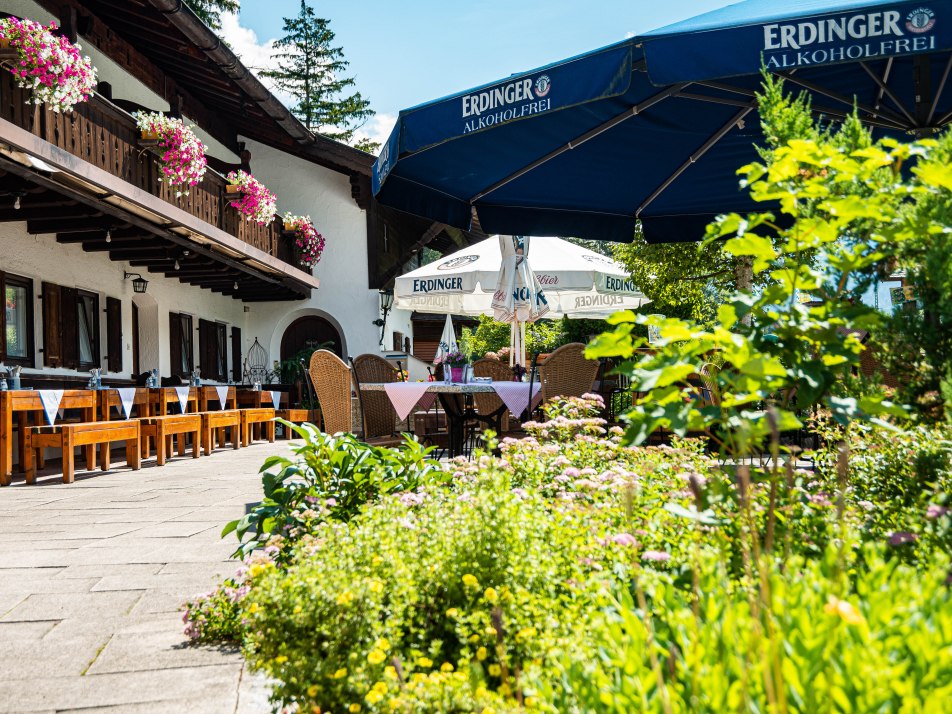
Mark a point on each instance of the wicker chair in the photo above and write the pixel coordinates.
(379, 417)
(566, 372)
(330, 376)
(489, 403)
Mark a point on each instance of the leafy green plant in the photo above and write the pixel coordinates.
(331, 478)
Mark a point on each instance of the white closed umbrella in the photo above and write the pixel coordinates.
(447, 341)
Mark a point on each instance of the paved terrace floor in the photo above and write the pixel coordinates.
(92, 577)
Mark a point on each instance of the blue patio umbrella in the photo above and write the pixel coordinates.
(655, 127)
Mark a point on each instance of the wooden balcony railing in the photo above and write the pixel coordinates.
(106, 136)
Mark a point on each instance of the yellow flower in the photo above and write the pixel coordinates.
(470, 581)
(390, 672)
(253, 608)
(606, 698)
(383, 644)
(376, 657)
(446, 667)
(490, 630)
(345, 597)
(297, 609)
(481, 654)
(379, 687)
(376, 586)
(526, 632)
(495, 670)
(312, 690)
(452, 612)
(475, 638)
(395, 704)
(280, 659)
(340, 674)
(376, 560)
(505, 689)
(488, 710)
(373, 697)
(844, 611)
(490, 595)
(353, 708)
(424, 662)
(530, 702)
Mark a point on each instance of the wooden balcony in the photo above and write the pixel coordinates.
(105, 136)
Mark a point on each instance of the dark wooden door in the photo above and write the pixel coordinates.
(311, 332)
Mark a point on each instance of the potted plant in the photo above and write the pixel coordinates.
(48, 65)
(183, 154)
(456, 361)
(254, 201)
(308, 243)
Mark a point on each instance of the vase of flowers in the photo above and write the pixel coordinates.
(50, 66)
(254, 202)
(183, 154)
(456, 361)
(308, 243)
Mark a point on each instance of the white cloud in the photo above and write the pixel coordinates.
(256, 55)
(378, 128)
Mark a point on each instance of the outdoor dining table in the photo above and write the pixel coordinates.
(456, 402)
(161, 397)
(258, 398)
(25, 401)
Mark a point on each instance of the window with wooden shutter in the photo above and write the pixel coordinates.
(237, 368)
(180, 344)
(52, 326)
(86, 313)
(212, 350)
(114, 334)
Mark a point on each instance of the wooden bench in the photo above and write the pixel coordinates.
(163, 428)
(252, 417)
(68, 436)
(213, 422)
(298, 416)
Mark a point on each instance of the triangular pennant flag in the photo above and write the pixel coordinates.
(127, 395)
(182, 394)
(276, 399)
(222, 395)
(50, 398)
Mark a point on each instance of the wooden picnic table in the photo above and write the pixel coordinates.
(161, 397)
(260, 399)
(26, 401)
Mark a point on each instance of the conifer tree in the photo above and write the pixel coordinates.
(311, 69)
(209, 11)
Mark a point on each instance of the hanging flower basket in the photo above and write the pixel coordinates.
(182, 153)
(307, 242)
(255, 201)
(50, 66)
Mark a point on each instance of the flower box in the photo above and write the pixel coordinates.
(306, 243)
(232, 189)
(181, 153)
(251, 198)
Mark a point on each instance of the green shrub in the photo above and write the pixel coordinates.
(331, 478)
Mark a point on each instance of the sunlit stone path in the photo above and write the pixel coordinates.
(92, 576)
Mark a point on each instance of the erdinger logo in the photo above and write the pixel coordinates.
(920, 20)
(594, 258)
(457, 262)
(542, 85)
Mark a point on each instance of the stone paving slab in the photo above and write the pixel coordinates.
(92, 578)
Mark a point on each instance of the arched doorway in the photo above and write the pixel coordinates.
(309, 333)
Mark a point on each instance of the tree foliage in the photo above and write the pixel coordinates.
(847, 212)
(311, 69)
(209, 11)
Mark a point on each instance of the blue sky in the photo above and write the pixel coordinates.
(405, 53)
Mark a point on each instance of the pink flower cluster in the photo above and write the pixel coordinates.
(183, 158)
(309, 242)
(257, 203)
(51, 66)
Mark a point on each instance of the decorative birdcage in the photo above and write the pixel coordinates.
(256, 365)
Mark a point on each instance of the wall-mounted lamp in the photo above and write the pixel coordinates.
(139, 284)
(386, 303)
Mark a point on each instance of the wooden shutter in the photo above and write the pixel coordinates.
(206, 341)
(175, 343)
(69, 319)
(237, 372)
(52, 326)
(113, 334)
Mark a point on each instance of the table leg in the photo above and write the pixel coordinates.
(6, 440)
(89, 451)
(454, 408)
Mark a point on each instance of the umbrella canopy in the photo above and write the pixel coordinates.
(574, 281)
(655, 127)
